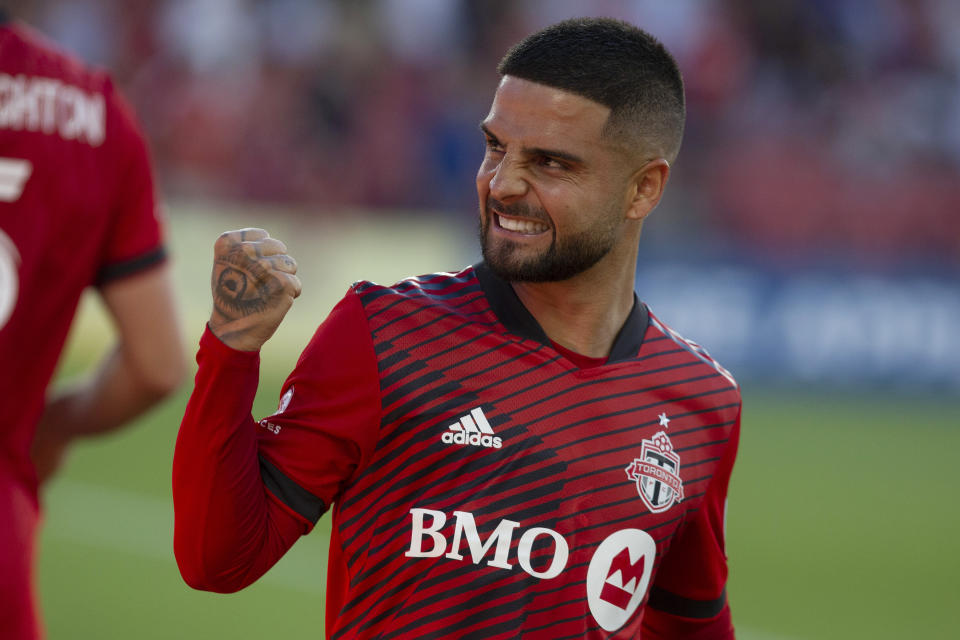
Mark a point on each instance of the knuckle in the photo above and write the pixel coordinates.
(253, 233)
(224, 240)
(274, 246)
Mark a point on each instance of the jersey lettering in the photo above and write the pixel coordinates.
(500, 540)
(50, 106)
(617, 578)
(14, 173)
(8, 277)
(502, 535)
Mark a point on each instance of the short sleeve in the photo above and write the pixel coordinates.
(688, 596)
(134, 239)
(327, 425)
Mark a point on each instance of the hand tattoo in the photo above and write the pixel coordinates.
(242, 286)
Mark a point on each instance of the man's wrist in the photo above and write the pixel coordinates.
(233, 337)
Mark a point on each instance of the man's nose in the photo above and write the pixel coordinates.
(508, 181)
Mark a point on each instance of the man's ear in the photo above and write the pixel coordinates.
(647, 185)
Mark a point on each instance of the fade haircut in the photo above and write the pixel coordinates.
(614, 64)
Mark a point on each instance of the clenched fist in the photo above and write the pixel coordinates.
(254, 284)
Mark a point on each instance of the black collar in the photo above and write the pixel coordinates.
(515, 317)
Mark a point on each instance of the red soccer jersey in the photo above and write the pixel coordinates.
(77, 208)
(483, 485)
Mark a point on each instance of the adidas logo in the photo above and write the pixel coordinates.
(473, 429)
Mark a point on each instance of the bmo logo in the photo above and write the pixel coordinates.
(618, 576)
(426, 541)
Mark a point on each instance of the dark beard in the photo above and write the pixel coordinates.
(561, 261)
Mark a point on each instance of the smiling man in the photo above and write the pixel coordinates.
(520, 449)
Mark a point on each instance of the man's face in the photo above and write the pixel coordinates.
(553, 192)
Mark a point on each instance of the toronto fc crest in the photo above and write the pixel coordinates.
(657, 473)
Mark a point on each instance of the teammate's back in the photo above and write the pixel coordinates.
(77, 208)
(68, 156)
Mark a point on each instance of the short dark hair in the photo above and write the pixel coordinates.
(615, 64)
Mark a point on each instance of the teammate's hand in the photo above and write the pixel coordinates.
(253, 287)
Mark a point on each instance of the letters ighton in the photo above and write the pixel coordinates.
(500, 540)
(50, 106)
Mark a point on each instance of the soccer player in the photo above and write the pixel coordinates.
(77, 208)
(520, 449)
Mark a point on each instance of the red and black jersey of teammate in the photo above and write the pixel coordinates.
(487, 487)
(77, 208)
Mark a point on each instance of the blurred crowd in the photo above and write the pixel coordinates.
(815, 126)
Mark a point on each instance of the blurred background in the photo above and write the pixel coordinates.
(809, 238)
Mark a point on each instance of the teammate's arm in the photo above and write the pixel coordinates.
(145, 365)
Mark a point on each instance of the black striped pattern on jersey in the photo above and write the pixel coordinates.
(444, 348)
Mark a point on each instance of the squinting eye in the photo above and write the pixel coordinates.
(493, 145)
(550, 163)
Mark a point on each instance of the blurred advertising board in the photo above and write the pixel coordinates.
(830, 326)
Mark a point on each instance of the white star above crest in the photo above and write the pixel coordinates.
(664, 420)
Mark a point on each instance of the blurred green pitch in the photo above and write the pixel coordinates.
(843, 518)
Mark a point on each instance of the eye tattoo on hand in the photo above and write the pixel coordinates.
(232, 283)
(243, 287)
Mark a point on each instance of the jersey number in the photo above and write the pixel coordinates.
(13, 177)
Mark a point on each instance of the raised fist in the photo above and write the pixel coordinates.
(253, 286)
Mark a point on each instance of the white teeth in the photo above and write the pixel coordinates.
(522, 226)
